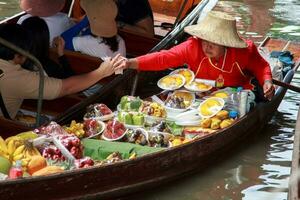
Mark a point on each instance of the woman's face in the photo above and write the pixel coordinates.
(212, 50)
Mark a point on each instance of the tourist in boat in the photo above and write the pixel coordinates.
(57, 21)
(215, 51)
(39, 31)
(18, 84)
(96, 34)
(135, 16)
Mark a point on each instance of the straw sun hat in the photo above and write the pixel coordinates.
(42, 8)
(101, 15)
(219, 28)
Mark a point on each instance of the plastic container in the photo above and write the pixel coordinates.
(243, 102)
(232, 103)
(16, 171)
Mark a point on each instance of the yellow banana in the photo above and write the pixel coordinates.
(36, 152)
(4, 154)
(18, 157)
(19, 150)
(11, 147)
(27, 154)
(7, 157)
(18, 142)
(3, 144)
(11, 138)
(25, 162)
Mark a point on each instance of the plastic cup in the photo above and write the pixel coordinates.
(243, 103)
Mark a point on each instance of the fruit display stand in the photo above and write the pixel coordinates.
(124, 134)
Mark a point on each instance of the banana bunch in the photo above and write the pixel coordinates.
(16, 148)
(8, 146)
(24, 151)
(19, 148)
(12, 143)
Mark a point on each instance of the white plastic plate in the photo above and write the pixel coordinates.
(163, 86)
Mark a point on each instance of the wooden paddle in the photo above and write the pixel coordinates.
(286, 85)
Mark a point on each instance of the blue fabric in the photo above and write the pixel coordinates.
(80, 29)
(286, 58)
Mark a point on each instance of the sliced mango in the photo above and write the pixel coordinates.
(222, 95)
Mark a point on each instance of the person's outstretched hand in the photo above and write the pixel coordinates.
(108, 67)
(59, 45)
(125, 63)
(269, 89)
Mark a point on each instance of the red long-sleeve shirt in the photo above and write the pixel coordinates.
(240, 63)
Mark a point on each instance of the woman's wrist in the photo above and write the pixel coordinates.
(132, 63)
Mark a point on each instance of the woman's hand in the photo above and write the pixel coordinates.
(59, 44)
(109, 66)
(125, 63)
(269, 89)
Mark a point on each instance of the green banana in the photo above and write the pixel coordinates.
(27, 135)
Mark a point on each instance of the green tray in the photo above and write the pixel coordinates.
(100, 149)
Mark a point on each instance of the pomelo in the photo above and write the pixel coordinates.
(5, 165)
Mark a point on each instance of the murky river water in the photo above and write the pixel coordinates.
(261, 165)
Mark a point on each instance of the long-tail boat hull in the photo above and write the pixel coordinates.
(148, 171)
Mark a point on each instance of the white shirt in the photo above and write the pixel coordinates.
(57, 24)
(95, 46)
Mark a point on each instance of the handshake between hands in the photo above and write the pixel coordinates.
(114, 65)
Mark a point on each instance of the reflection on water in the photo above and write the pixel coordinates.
(261, 164)
(8, 8)
(286, 12)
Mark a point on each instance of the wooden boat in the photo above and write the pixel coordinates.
(78, 60)
(129, 176)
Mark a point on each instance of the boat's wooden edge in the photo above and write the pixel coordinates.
(277, 44)
(79, 62)
(294, 178)
(11, 127)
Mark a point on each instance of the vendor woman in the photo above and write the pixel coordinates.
(214, 52)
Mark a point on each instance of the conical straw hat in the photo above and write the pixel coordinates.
(219, 28)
